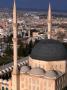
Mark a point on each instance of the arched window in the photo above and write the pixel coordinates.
(2, 88)
(6, 88)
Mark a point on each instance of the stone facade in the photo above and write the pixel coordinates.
(37, 80)
(29, 82)
(50, 65)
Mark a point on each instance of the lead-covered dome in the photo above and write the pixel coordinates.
(49, 50)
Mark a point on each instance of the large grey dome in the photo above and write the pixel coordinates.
(48, 50)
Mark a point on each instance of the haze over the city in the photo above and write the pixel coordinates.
(58, 5)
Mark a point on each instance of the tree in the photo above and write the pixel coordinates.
(9, 39)
(8, 51)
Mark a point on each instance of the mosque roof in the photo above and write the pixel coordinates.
(49, 50)
(37, 71)
(53, 74)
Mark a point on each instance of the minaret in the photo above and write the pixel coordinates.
(14, 38)
(49, 22)
(15, 68)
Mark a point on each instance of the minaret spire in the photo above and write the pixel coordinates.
(49, 21)
(15, 68)
(15, 37)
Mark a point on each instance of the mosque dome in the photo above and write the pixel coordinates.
(24, 69)
(53, 74)
(7, 69)
(10, 68)
(37, 72)
(4, 71)
(49, 50)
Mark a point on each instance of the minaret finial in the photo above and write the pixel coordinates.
(49, 21)
(14, 38)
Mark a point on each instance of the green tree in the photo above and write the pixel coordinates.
(9, 39)
(8, 51)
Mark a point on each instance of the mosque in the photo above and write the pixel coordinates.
(44, 69)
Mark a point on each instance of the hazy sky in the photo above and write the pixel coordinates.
(39, 4)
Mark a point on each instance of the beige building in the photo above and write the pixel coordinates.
(46, 68)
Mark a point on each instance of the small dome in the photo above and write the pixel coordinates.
(37, 72)
(53, 74)
(4, 81)
(7, 69)
(3, 71)
(10, 68)
(24, 69)
(49, 50)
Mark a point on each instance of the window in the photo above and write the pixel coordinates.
(22, 85)
(37, 88)
(6, 88)
(52, 67)
(2, 88)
